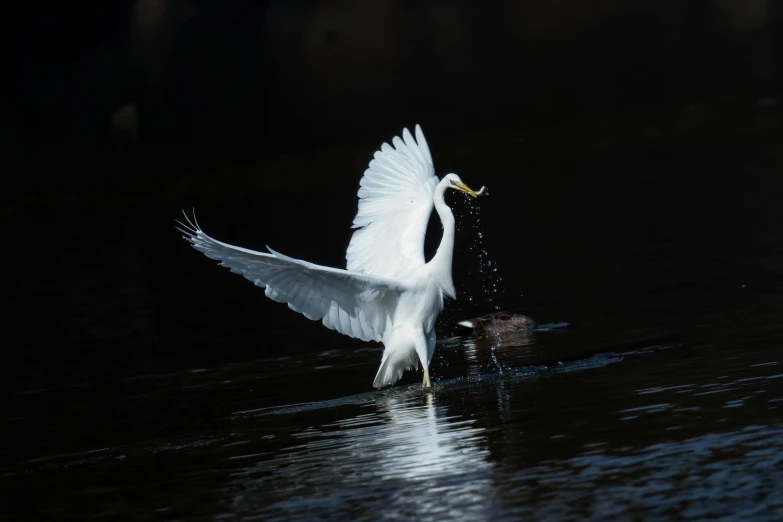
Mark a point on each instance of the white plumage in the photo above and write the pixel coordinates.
(388, 293)
(395, 202)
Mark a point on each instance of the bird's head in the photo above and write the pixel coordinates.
(453, 181)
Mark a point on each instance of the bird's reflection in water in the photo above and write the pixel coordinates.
(408, 458)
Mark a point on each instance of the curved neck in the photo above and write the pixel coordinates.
(440, 264)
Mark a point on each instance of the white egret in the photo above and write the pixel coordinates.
(388, 292)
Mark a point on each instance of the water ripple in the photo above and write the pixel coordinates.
(659, 479)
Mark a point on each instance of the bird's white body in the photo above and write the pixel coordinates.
(387, 293)
(412, 334)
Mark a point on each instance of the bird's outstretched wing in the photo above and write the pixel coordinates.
(395, 202)
(352, 303)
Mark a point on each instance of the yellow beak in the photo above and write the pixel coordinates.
(464, 188)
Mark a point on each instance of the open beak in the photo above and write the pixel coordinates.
(464, 188)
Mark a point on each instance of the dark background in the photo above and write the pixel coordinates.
(221, 82)
(596, 126)
(632, 151)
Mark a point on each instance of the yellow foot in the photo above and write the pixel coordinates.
(426, 382)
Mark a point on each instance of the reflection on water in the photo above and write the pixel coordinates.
(483, 448)
(651, 430)
(403, 458)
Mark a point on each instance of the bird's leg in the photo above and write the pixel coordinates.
(420, 342)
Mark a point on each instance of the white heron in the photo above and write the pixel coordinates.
(388, 292)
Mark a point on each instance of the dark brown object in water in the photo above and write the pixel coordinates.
(498, 323)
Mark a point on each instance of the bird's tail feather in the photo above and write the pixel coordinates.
(391, 370)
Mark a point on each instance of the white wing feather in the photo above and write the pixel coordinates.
(395, 202)
(352, 303)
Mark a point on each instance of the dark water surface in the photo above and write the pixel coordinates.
(148, 383)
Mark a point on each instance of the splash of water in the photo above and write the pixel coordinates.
(498, 341)
(491, 280)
